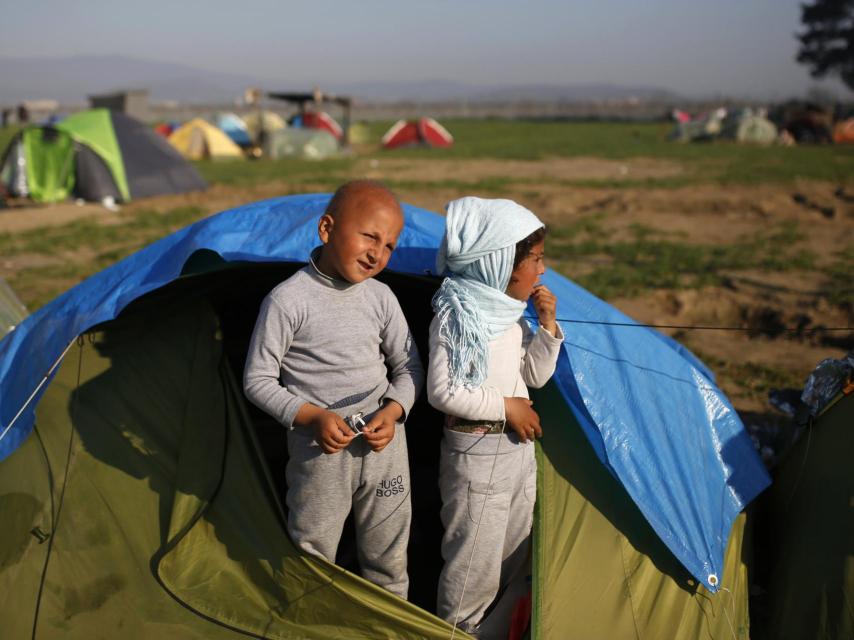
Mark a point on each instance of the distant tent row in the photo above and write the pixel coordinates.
(792, 123)
(413, 133)
(94, 155)
(745, 125)
(311, 135)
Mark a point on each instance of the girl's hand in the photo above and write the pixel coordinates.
(545, 304)
(522, 418)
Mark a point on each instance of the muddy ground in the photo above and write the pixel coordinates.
(769, 304)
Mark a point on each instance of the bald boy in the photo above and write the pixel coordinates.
(333, 360)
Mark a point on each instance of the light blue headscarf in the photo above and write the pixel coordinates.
(478, 251)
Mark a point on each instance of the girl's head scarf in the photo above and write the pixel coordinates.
(477, 252)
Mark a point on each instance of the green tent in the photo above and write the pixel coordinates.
(809, 533)
(616, 578)
(147, 503)
(145, 466)
(749, 127)
(93, 155)
(310, 144)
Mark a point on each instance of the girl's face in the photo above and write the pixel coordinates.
(525, 276)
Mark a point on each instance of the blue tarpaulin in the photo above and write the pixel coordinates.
(649, 407)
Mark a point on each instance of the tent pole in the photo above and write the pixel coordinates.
(33, 394)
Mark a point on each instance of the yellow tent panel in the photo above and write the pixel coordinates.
(197, 140)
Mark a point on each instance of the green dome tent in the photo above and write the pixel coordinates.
(310, 144)
(94, 155)
(146, 499)
(750, 127)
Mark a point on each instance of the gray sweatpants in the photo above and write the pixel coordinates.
(323, 487)
(505, 511)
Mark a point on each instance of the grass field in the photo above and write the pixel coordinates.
(716, 162)
(714, 233)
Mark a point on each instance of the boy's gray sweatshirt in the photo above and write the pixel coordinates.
(340, 346)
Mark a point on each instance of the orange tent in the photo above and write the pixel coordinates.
(843, 132)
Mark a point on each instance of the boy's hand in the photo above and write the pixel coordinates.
(545, 304)
(330, 430)
(522, 418)
(381, 428)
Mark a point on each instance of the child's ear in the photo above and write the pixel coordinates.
(324, 227)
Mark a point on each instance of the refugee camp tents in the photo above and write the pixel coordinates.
(843, 132)
(165, 129)
(747, 126)
(262, 121)
(809, 531)
(311, 144)
(700, 129)
(805, 122)
(319, 120)
(422, 132)
(234, 127)
(198, 140)
(94, 155)
(135, 494)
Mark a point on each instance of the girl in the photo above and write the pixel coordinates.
(482, 356)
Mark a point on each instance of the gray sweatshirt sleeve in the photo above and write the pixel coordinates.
(539, 354)
(270, 341)
(406, 374)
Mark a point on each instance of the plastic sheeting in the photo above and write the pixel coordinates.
(654, 418)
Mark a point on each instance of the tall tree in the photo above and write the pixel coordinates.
(827, 44)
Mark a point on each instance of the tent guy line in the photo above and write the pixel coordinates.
(36, 390)
(688, 326)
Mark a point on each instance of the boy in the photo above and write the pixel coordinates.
(332, 359)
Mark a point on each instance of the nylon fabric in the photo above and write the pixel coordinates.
(811, 587)
(95, 129)
(602, 572)
(655, 420)
(166, 479)
(50, 164)
(197, 140)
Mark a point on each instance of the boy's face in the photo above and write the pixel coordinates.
(359, 240)
(525, 276)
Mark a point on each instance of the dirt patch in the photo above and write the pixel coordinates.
(22, 218)
(776, 332)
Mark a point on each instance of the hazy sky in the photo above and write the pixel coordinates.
(743, 47)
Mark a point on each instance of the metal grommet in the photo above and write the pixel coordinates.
(713, 580)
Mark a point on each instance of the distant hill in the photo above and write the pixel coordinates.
(577, 93)
(70, 80)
